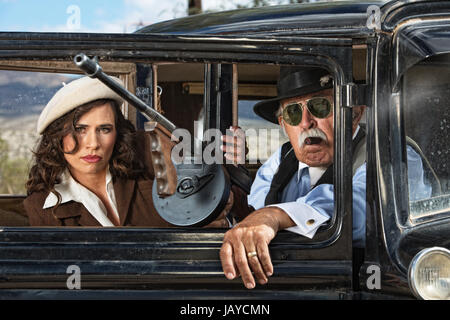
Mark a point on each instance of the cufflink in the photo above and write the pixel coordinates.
(310, 222)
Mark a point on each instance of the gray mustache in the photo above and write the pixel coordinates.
(311, 133)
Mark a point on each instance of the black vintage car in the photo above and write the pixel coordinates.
(393, 57)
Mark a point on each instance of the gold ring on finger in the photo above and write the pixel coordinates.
(252, 254)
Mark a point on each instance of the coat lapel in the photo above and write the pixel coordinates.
(74, 209)
(123, 190)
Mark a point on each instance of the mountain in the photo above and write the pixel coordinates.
(25, 93)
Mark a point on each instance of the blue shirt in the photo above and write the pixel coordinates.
(311, 208)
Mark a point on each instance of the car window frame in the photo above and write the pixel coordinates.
(330, 53)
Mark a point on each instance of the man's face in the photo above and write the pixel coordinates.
(313, 138)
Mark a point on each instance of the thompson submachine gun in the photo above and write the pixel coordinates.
(185, 194)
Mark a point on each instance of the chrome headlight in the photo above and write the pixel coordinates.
(429, 274)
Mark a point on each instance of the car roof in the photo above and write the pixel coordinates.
(321, 18)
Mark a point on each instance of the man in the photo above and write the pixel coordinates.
(293, 190)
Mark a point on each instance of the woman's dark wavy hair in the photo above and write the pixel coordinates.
(49, 161)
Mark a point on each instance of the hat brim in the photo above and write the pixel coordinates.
(266, 109)
(73, 95)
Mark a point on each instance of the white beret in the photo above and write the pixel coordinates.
(73, 95)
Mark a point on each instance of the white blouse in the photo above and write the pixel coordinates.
(71, 190)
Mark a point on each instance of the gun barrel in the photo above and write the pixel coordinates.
(94, 70)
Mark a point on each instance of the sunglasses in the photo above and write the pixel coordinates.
(318, 107)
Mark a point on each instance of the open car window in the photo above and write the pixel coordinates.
(27, 87)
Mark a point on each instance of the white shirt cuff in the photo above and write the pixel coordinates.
(306, 218)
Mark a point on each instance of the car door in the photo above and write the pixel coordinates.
(182, 262)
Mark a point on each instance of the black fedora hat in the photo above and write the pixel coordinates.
(293, 81)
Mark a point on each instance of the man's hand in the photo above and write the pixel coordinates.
(248, 237)
(235, 147)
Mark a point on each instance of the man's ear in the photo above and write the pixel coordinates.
(281, 123)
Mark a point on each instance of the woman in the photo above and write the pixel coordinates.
(89, 169)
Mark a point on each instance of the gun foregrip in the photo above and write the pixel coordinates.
(161, 147)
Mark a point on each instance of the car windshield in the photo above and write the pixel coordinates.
(426, 101)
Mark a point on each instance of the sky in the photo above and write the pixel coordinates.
(96, 15)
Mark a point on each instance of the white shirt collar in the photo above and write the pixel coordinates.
(71, 190)
(316, 172)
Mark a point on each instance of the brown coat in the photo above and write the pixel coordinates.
(134, 202)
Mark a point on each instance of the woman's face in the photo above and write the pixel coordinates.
(96, 133)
